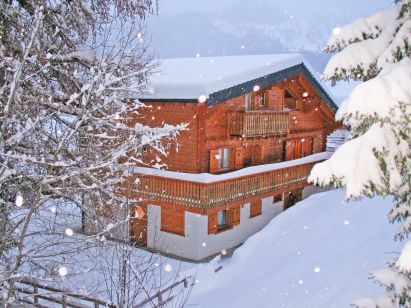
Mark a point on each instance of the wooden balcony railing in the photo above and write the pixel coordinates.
(210, 195)
(258, 123)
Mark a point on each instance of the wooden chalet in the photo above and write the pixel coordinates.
(256, 127)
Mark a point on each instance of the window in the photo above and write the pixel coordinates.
(262, 99)
(247, 101)
(277, 198)
(223, 158)
(290, 101)
(221, 219)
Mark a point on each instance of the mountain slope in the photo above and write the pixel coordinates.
(234, 27)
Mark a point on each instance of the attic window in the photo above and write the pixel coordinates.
(261, 99)
(289, 100)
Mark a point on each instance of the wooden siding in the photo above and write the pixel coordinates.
(181, 153)
(258, 136)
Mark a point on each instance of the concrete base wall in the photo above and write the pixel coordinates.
(197, 244)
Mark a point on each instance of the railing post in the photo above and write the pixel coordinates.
(63, 301)
(35, 291)
(160, 299)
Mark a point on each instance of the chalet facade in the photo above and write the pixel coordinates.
(256, 127)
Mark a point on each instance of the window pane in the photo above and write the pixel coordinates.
(226, 158)
(220, 158)
(247, 101)
(222, 218)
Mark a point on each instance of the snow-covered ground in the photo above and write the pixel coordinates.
(317, 254)
(90, 265)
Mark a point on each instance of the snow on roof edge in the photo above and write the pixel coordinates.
(211, 178)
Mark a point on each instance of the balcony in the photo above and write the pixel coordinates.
(206, 191)
(258, 123)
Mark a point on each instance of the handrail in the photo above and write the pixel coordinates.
(65, 295)
(210, 195)
(249, 124)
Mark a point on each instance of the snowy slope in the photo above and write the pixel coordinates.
(234, 27)
(317, 254)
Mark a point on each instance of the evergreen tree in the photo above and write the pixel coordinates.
(377, 158)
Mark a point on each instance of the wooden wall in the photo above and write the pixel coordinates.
(209, 130)
(182, 156)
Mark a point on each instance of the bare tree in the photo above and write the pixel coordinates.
(66, 71)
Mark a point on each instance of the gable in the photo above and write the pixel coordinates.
(265, 81)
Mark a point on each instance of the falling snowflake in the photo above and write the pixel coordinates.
(336, 30)
(256, 88)
(19, 200)
(242, 46)
(202, 99)
(317, 269)
(69, 232)
(63, 271)
(223, 252)
(168, 267)
(204, 244)
(346, 222)
(53, 209)
(197, 55)
(305, 94)
(300, 281)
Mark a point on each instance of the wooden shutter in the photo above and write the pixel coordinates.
(289, 149)
(179, 222)
(166, 220)
(298, 149)
(212, 223)
(238, 159)
(255, 208)
(213, 161)
(232, 158)
(230, 217)
(256, 155)
(236, 215)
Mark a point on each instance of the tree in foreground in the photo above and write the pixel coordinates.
(377, 158)
(66, 68)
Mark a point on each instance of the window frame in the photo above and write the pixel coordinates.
(248, 102)
(222, 226)
(224, 158)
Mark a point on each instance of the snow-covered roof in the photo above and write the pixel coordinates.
(220, 78)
